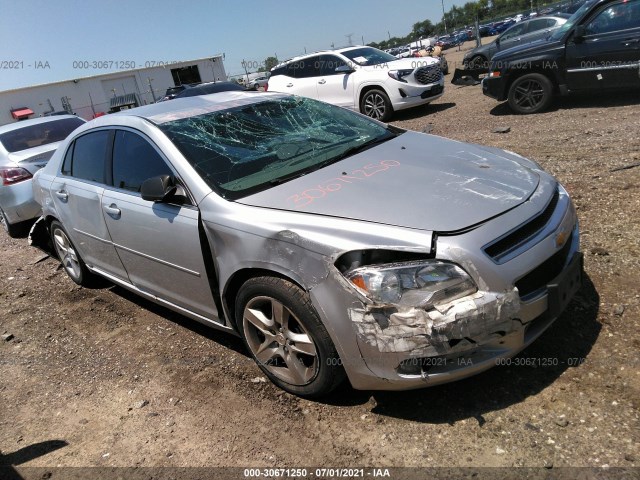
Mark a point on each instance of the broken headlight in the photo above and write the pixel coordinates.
(414, 284)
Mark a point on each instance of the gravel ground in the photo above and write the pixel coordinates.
(104, 378)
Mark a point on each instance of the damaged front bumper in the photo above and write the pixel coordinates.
(459, 339)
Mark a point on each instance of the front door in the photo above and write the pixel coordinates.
(609, 54)
(159, 243)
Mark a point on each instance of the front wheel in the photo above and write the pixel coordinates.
(531, 93)
(286, 337)
(376, 104)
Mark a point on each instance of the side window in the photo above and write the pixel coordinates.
(66, 164)
(620, 16)
(514, 32)
(89, 154)
(536, 25)
(328, 65)
(134, 161)
(306, 67)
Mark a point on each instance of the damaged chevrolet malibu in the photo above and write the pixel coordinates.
(335, 246)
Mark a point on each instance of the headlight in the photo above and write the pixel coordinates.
(414, 284)
(398, 74)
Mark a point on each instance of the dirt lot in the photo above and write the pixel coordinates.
(107, 379)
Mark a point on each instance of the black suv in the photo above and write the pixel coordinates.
(597, 49)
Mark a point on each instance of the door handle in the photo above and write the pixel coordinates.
(62, 195)
(289, 85)
(112, 210)
(322, 82)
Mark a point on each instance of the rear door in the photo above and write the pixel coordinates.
(77, 195)
(513, 36)
(300, 78)
(609, 54)
(159, 243)
(335, 87)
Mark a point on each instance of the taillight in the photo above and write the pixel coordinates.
(11, 175)
(266, 87)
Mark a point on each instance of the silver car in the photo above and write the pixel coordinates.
(333, 244)
(25, 147)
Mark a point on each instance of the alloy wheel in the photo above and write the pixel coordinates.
(279, 341)
(67, 254)
(529, 94)
(374, 106)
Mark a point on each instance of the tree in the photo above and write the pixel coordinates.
(269, 63)
(422, 29)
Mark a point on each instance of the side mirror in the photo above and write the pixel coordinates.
(498, 41)
(158, 189)
(579, 33)
(344, 69)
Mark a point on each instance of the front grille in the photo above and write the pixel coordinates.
(521, 235)
(544, 273)
(426, 75)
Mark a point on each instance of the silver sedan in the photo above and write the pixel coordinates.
(25, 147)
(334, 245)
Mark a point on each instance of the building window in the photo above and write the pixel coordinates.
(184, 75)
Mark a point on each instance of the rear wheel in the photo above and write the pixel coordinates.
(376, 104)
(531, 93)
(12, 229)
(69, 256)
(286, 337)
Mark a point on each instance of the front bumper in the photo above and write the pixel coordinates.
(384, 348)
(495, 87)
(17, 202)
(407, 95)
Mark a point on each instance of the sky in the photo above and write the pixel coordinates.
(41, 39)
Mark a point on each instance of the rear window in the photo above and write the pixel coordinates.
(32, 136)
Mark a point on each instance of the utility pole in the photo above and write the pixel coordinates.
(444, 18)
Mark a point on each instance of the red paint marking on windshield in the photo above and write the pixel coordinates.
(309, 195)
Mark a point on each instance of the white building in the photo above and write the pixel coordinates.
(88, 97)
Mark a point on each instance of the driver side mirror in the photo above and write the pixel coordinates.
(579, 33)
(158, 189)
(498, 41)
(344, 69)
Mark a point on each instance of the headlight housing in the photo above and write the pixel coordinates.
(421, 284)
(399, 74)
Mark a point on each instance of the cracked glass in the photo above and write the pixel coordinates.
(245, 149)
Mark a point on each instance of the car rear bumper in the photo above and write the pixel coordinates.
(17, 202)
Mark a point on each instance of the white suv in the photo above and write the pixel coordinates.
(364, 79)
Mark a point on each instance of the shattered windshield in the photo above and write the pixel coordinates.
(250, 148)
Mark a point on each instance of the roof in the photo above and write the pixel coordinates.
(320, 52)
(190, 106)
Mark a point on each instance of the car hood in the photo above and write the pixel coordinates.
(408, 63)
(415, 180)
(526, 50)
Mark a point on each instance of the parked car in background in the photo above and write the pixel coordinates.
(597, 49)
(364, 79)
(25, 147)
(209, 88)
(260, 82)
(196, 89)
(522, 32)
(332, 244)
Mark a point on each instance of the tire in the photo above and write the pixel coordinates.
(283, 332)
(13, 229)
(69, 256)
(376, 104)
(478, 62)
(531, 93)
